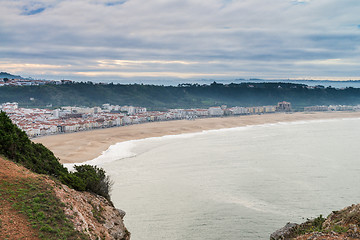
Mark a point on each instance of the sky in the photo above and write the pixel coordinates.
(180, 39)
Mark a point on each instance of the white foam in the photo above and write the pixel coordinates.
(124, 150)
(114, 152)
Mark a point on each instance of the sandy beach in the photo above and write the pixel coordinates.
(83, 146)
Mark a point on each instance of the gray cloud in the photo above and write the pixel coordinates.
(218, 38)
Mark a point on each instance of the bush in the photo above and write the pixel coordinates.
(318, 223)
(95, 180)
(73, 181)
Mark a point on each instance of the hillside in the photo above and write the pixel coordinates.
(40, 202)
(9, 76)
(11, 220)
(183, 96)
(34, 206)
(16, 146)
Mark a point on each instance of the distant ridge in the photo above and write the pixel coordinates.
(9, 76)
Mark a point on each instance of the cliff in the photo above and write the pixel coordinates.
(38, 200)
(33, 206)
(91, 214)
(343, 224)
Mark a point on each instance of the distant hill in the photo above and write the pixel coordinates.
(156, 97)
(9, 76)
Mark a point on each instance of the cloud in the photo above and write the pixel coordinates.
(251, 38)
(327, 62)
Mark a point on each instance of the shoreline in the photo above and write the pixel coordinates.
(85, 146)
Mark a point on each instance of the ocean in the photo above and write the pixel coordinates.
(238, 183)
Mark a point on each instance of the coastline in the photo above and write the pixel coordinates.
(84, 146)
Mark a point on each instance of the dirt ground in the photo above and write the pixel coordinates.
(13, 225)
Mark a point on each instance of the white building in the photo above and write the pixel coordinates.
(239, 110)
(140, 110)
(106, 106)
(56, 113)
(201, 112)
(215, 111)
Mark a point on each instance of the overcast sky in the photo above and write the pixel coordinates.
(197, 39)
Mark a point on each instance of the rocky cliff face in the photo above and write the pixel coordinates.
(343, 224)
(92, 214)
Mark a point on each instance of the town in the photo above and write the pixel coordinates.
(40, 122)
(30, 82)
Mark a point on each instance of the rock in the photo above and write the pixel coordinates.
(284, 233)
(342, 224)
(122, 213)
(92, 214)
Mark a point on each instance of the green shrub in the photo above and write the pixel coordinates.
(318, 223)
(339, 229)
(95, 180)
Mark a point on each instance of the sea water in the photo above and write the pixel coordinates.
(239, 183)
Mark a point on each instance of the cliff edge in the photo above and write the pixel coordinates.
(41, 199)
(91, 214)
(343, 224)
(33, 206)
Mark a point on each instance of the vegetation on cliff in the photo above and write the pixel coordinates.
(33, 198)
(94, 179)
(39, 206)
(182, 96)
(34, 206)
(16, 146)
(343, 224)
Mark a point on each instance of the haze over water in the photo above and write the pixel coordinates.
(240, 183)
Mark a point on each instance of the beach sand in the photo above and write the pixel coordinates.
(83, 146)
